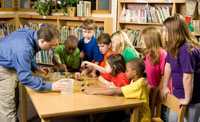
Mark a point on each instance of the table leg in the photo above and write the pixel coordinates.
(134, 115)
(45, 120)
(23, 102)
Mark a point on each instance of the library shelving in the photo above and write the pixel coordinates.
(138, 14)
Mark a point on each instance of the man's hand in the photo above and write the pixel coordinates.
(43, 70)
(58, 85)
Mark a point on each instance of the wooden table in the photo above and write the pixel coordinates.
(55, 104)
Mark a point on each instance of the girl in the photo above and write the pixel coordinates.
(115, 66)
(155, 59)
(121, 44)
(183, 65)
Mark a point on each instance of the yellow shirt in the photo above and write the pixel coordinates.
(139, 90)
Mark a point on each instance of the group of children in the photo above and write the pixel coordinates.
(119, 64)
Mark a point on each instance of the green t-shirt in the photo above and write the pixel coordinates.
(72, 60)
(129, 54)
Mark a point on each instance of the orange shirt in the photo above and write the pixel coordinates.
(103, 63)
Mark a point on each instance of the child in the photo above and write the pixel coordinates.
(121, 44)
(66, 57)
(183, 65)
(104, 43)
(155, 59)
(88, 47)
(137, 89)
(115, 66)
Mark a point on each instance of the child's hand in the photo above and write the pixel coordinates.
(77, 75)
(93, 74)
(62, 68)
(82, 55)
(89, 91)
(111, 85)
(86, 64)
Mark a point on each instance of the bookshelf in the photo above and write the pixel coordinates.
(7, 24)
(135, 15)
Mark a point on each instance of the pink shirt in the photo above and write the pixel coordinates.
(154, 72)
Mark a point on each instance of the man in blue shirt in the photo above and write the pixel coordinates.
(16, 55)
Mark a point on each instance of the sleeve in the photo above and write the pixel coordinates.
(22, 64)
(80, 45)
(121, 80)
(58, 52)
(34, 66)
(129, 54)
(106, 76)
(163, 56)
(97, 54)
(168, 57)
(77, 60)
(186, 60)
(132, 91)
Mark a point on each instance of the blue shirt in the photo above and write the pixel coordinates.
(90, 49)
(17, 51)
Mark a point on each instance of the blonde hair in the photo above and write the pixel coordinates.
(122, 41)
(179, 34)
(153, 40)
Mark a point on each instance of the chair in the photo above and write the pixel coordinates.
(171, 102)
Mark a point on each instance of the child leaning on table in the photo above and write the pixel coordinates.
(137, 89)
(88, 47)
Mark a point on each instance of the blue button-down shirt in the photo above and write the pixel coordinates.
(17, 51)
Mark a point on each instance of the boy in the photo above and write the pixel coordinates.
(104, 43)
(136, 89)
(66, 57)
(88, 47)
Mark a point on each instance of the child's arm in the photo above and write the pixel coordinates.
(60, 67)
(108, 83)
(93, 73)
(95, 66)
(110, 91)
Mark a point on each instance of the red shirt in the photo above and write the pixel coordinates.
(120, 80)
(103, 63)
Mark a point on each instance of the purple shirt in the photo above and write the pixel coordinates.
(185, 63)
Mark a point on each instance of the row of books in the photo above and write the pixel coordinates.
(84, 9)
(65, 31)
(148, 14)
(196, 25)
(6, 29)
(135, 37)
(44, 56)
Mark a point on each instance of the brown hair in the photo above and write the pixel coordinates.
(88, 24)
(72, 39)
(117, 63)
(104, 38)
(48, 32)
(179, 34)
(138, 65)
(153, 40)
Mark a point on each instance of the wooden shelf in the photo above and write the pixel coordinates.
(197, 34)
(7, 16)
(134, 23)
(151, 1)
(45, 64)
(97, 19)
(37, 17)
